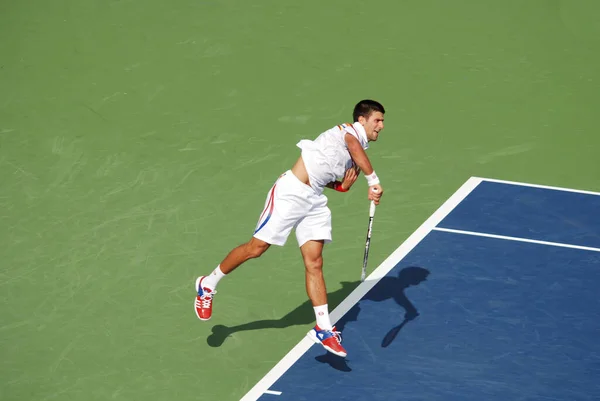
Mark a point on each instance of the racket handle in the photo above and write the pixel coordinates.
(372, 208)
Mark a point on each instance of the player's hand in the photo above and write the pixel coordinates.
(411, 315)
(349, 178)
(375, 192)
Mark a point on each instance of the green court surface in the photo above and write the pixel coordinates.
(138, 141)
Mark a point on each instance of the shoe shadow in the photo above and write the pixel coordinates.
(336, 362)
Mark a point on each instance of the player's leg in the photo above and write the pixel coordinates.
(312, 232)
(323, 333)
(312, 254)
(238, 255)
(206, 286)
(284, 207)
(250, 250)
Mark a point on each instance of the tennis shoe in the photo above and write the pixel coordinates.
(331, 340)
(204, 300)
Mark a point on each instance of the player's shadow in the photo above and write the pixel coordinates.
(394, 288)
(388, 287)
(303, 314)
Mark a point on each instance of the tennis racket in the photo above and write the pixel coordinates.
(363, 273)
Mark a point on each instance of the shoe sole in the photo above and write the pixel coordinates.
(311, 334)
(198, 289)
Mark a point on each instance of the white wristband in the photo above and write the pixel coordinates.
(372, 179)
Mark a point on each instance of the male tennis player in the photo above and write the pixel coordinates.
(296, 201)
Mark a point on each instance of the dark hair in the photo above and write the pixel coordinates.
(365, 108)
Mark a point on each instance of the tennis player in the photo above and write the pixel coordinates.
(296, 201)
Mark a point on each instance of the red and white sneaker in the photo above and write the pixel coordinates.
(204, 300)
(331, 340)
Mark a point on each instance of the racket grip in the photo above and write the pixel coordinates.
(372, 208)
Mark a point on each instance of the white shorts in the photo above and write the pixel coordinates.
(293, 204)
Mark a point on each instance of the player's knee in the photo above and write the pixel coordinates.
(314, 264)
(255, 249)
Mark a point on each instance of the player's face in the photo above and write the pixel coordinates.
(373, 125)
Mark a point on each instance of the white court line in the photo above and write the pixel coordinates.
(504, 237)
(274, 374)
(524, 184)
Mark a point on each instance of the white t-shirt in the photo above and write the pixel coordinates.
(327, 157)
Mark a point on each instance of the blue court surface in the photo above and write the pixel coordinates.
(494, 297)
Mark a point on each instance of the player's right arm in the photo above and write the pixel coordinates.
(361, 159)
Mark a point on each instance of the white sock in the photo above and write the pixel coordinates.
(322, 314)
(213, 278)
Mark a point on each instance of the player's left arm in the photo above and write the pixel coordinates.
(349, 179)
